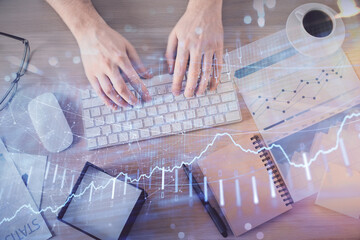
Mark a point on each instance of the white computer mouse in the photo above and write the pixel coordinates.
(50, 123)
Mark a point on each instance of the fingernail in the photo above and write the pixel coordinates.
(147, 97)
(135, 101)
(148, 74)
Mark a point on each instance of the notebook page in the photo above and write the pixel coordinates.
(248, 197)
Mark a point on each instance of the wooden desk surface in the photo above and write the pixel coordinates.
(146, 24)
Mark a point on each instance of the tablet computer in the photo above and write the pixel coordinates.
(102, 206)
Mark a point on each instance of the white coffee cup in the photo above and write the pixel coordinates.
(313, 41)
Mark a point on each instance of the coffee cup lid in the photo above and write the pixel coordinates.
(307, 44)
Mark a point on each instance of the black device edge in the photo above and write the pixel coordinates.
(130, 221)
(215, 217)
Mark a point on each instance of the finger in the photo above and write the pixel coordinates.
(117, 82)
(97, 87)
(138, 65)
(109, 90)
(180, 69)
(206, 69)
(193, 74)
(171, 51)
(135, 82)
(217, 66)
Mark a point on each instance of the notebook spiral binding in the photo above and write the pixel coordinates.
(266, 158)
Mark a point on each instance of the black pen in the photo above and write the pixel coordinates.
(210, 210)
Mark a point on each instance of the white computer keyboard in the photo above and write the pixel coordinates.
(164, 115)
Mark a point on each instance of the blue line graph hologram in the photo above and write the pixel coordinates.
(217, 136)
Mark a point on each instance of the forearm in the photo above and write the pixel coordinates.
(79, 15)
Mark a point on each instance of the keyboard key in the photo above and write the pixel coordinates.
(93, 93)
(148, 122)
(127, 126)
(85, 94)
(208, 121)
(113, 138)
(106, 130)
(165, 129)
(194, 103)
(123, 137)
(162, 109)
(161, 89)
(211, 110)
(137, 124)
(176, 127)
(180, 116)
(152, 91)
(116, 128)
(110, 119)
(148, 104)
(190, 114)
(99, 121)
(170, 118)
(168, 98)
(173, 107)
(120, 117)
(204, 101)
(183, 105)
(118, 109)
(92, 102)
(233, 106)
(187, 125)
(232, 116)
(88, 122)
(92, 132)
(95, 112)
(152, 111)
(215, 99)
(159, 120)
(105, 110)
(157, 100)
(86, 113)
(225, 87)
(141, 113)
(169, 88)
(155, 131)
(144, 133)
(222, 108)
(219, 119)
(91, 143)
(130, 115)
(198, 123)
(200, 112)
(102, 141)
(227, 97)
(208, 93)
(134, 135)
(180, 97)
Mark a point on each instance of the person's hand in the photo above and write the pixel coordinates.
(105, 53)
(197, 36)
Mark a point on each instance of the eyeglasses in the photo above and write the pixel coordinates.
(10, 93)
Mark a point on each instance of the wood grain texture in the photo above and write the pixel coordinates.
(150, 23)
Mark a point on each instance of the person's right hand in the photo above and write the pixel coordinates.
(105, 53)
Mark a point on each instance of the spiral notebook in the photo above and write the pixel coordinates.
(247, 186)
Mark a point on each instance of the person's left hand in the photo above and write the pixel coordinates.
(199, 36)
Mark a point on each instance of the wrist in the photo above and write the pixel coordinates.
(205, 5)
(87, 27)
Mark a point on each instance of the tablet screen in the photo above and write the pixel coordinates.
(102, 205)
